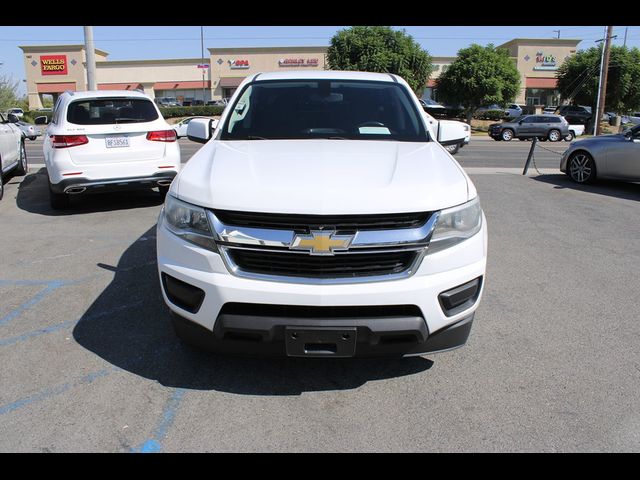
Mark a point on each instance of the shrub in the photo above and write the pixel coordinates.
(491, 115)
(194, 111)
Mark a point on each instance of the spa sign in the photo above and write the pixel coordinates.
(53, 64)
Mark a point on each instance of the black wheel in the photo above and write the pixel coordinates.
(1, 187)
(452, 149)
(22, 167)
(32, 138)
(58, 201)
(554, 136)
(569, 137)
(507, 134)
(581, 168)
(163, 191)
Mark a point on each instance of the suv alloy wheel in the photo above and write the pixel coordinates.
(507, 134)
(554, 136)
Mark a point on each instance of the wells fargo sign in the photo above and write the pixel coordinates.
(53, 64)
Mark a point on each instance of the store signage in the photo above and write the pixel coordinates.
(203, 65)
(53, 64)
(298, 62)
(545, 62)
(234, 64)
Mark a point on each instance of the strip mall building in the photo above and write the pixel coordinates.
(53, 69)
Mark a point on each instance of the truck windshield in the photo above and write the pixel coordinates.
(334, 109)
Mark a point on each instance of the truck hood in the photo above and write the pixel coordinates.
(323, 177)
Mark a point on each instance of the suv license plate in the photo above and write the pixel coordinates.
(117, 142)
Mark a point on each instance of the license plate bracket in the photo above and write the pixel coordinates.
(320, 341)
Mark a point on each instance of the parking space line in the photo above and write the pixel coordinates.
(57, 390)
(61, 326)
(37, 298)
(154, 445)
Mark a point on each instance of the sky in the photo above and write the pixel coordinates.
(149, 42)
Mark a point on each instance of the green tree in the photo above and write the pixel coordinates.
(381, 49)
(579, 75)
(479, 76)
(8, 93)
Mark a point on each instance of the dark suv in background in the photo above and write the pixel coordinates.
(575, 114)
(550, 127)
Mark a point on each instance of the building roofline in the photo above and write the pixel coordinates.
(310, 49)
(107, 63)
(53, 48)
(570, 42)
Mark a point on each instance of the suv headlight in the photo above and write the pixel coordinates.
(455, 225)
(189, 222)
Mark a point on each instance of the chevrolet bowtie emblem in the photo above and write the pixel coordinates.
(321, 242)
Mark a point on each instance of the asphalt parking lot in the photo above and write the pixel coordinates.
(90, 361)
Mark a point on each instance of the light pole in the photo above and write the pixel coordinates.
(602, 81)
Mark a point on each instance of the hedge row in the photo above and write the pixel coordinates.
(200, 110)
(491, 115)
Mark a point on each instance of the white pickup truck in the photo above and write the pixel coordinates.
(322, 218)
(574, 131)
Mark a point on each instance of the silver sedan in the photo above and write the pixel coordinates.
(606, 156)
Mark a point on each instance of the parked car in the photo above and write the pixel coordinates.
(550, 109)
(167, 102)
(513, 110)
(13, 155)
(18, 112)
(576, 114)
(181, 127)
(288, 232)
(29, 130)
(101, 141)
(605, 156)
(222, 103)
(551, 127)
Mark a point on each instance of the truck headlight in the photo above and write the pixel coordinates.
(455, 225)
(189, 222)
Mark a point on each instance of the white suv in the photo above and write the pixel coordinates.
(322, 218)
(101, 141)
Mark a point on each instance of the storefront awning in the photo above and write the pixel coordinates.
(231, 82)
(119, 86)
(181, 85)
(542, 83)
(56, 87)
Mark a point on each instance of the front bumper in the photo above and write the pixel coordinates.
(274, 336)
(438, 272)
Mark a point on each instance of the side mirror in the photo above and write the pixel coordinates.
(13, 118)
(214, 124)
(200, 130)
(520, 122)
(41, 120)
(451, 132)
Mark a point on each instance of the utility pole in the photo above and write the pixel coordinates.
(602, 94)
(91, 58)
(204, 98)
(625, 36)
